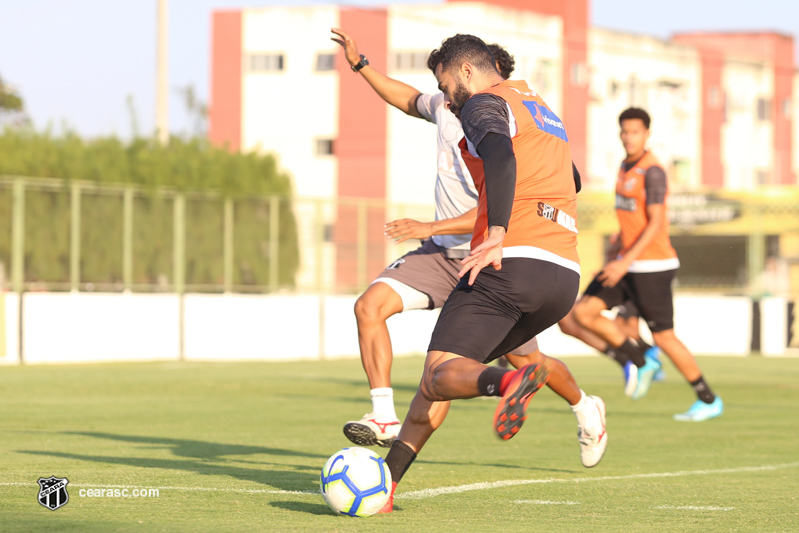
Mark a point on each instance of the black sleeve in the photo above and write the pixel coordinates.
(499, 163)
(577, 183)
(484, 114)
(655, 185)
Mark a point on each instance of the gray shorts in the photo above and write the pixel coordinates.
(429, 271)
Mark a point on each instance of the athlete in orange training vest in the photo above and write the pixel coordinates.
(643, 271)
(517, 151)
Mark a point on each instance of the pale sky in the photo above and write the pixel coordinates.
(76, 62)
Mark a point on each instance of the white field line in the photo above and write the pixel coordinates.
(430, 493)
(694, 508)
(191, 489)
(544, 502)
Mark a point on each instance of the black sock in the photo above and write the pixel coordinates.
(616, 355)
(633, 352)
(643, 344)
(702, 390)
(488, 382)
(399, 459)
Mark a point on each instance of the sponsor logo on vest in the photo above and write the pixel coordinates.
(546, 120)
(626, 204)
(557, 216)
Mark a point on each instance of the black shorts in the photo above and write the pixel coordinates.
(504, 308)
(649, 291)
(627, 309)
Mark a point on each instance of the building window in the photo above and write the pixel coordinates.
(579, 74)
(762, 177)
(613, 88)
(323, 147)
(411, 60)
(786, 108)
(325, 62)
(763, 109)
(266, 62)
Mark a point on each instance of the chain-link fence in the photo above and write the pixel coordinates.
(80, 236)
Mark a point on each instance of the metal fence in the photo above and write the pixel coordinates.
(81, 236)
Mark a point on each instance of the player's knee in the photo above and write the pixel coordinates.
(367, 309)
(429, 385)
(568, 325)
(582, 313)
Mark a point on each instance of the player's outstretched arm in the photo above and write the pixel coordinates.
(400, 95)
(406, 228)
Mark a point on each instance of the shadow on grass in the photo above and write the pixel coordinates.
(311, 508)
(199, 449)
(295, 478)
(304, 507)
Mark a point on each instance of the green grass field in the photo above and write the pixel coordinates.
(239, 447)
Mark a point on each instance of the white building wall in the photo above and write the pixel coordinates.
(533, 40)
(665, 79)
(795, 119)
(747, 143)
(286, 112)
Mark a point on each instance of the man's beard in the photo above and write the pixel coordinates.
(459, 98)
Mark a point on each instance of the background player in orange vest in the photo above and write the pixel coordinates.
(522, 274)
(644, 270)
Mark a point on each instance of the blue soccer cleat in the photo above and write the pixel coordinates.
(700, 411)
(646, 374)
(660, 375)
(630, 378)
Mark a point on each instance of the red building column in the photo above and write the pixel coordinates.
(224, 114)
(773, 49)
(360, 149)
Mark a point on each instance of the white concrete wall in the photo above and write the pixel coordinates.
(663, 78)
(87, 327)
(746, 143)
(9, 328)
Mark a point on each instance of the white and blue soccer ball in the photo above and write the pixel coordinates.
(356, 482)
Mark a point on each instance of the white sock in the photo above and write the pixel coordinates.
(584, 416)
(383, 402)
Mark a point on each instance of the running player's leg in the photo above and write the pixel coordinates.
(627, 318)
(588, 312)
(589, 410)
(658, 310)
(569, 325)
(372, 309)
(421, 279)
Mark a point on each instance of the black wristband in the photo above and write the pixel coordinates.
(360, 64)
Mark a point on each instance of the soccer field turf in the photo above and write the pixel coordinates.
(239, 446)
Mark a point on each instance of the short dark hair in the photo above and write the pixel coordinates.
(635, 112)
(459, 49)
(504, 60)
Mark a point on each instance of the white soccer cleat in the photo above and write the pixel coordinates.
(593, 438)
(371, 430)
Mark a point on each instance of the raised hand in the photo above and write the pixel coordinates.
(348, 44)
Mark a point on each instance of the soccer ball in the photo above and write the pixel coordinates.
(356, 482)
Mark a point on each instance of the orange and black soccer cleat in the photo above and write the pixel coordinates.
(510, 413)
(389, 506)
